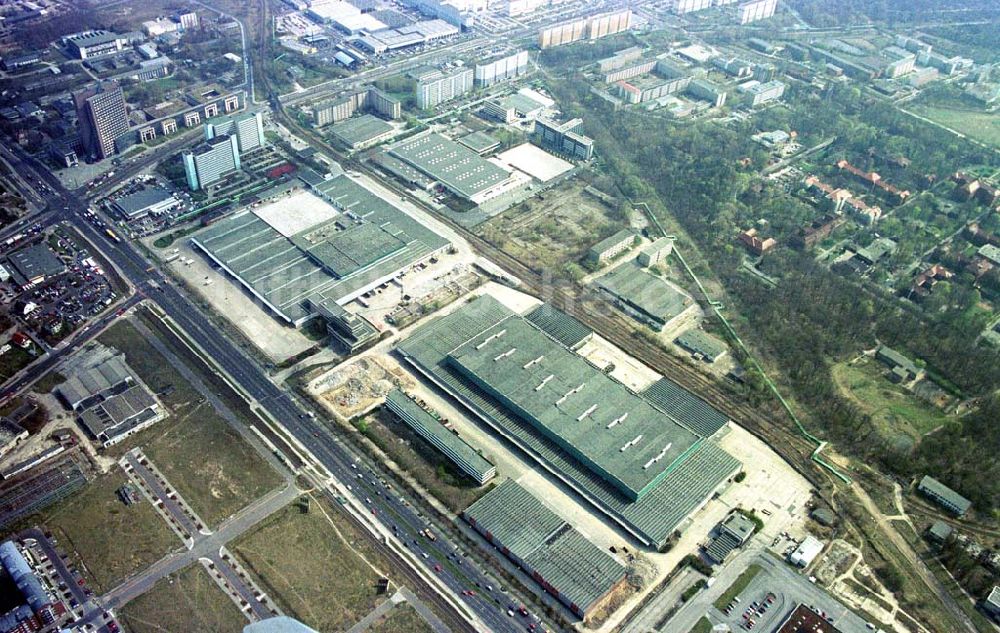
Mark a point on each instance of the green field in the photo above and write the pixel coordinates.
(701, 626)
(14, 360)
(214, 469)
(981, 126)
(208, 462)
(315, 570)
(737, 587)
(108, 539)
(402, 619)
(893, 409)
(187, 601)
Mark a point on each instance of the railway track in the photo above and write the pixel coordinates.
(594, 312)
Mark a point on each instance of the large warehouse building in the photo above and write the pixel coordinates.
(457, 168)
(337, 241)
(546, 547)
(646, 462)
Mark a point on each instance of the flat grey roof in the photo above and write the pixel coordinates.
(360, 129)
(522, 104)
(135, 203)
(645, 291)
(370, 239)
(652, 519)
(456, 166)
(479, 141)
(35, 261)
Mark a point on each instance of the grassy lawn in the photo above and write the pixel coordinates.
(187, 601)
(414, 455)
(151, 367)
(108, 539)
(14, 360)
(213, 468)
(701, 626)
(737, 587)
(203, 457)
(982, 126)
(48, 382)
(315, 570)
(402, 619)
(893, 409)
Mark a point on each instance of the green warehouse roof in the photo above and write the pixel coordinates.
(649, 294)
(697, 342)
(940, 491)
(368, 240)
(684, 406)
(457, 167)
(652, 519)
(562, 327)
(592, 416)
(360, 129)
(580, 571)
(514, 517)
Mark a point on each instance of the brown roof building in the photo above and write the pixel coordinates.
(756, 244)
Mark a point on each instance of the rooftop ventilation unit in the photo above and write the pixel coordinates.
(630, 443)
(613, 423)
(658, 457)
(505, 354)
(568, 394)
(490, 338)
(544, 380)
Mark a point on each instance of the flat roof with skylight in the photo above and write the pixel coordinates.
(613, 431)
(338, 240)
(461, 170)
(574, 424)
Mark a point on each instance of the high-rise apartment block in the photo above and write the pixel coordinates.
(102, 117)
(247, 128)
(563, 138)
(501, 69)
(188, 20)
(210, 161)
(437, 87)
(756, 10)
(371, 100)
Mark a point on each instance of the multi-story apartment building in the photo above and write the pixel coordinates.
(210, 161)
(248, 128)
(501, 69)
(370, 100)
(102, 117)
(437, 87)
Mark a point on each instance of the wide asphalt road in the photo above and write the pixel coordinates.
(310, 432)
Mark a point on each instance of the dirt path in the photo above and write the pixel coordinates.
(931, 581)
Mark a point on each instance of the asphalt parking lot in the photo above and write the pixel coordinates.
(787, 590)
